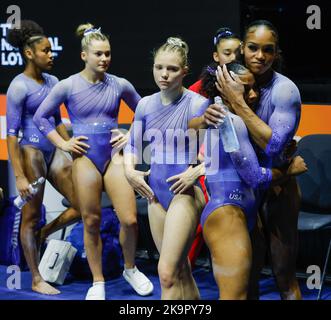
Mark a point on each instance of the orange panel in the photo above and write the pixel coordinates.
(3, 150)
(64, 112)
(315, 119)
(3, 142)
(2, 104)
(125, 114)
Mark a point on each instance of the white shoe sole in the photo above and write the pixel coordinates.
(141, 293)
(95, 296)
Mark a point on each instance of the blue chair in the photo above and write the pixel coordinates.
(314, 224)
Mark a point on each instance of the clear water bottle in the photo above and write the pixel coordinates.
(19, 202)
(227, 129)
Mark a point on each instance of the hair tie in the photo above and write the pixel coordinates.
(92, 30)
(223, 34)
(211, 70)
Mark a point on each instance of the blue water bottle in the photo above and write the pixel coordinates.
(227, 129)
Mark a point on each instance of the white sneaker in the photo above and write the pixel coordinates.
(96, 292)
(138, 281)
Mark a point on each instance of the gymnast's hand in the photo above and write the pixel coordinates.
(230, 87)
(118, 139)
(22, 185)
(137, 181)
(290, 149)
(297, 166)
(75, 145)
(1, 194)
(214, 115)
(185, 180)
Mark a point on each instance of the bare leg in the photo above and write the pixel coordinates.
(173, 234)
(60, 176)
(281, 225)
(88, 185)
(65, 219)
(190, 288)
(34, 167)
(124, 201)
(227, 237)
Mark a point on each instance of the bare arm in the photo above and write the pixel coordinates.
(15, 156)
(233, 90)
(63, 132)
(259, 131)
(283, 122)
(296, 167)
(22, 183)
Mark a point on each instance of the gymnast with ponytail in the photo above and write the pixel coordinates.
(92, 98)
(33, 156)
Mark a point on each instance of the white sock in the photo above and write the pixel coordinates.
(130, 270)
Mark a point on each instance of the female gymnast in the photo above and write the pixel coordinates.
(34, 156)
(233, 178)
(272, 127)
(92, 98)
(226, 49)
(162, 119)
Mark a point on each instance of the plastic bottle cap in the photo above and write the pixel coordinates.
(218, 100)
(41, 180)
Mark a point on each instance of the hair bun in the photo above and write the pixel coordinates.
(18, 37)
(177, 42)
(82, 28)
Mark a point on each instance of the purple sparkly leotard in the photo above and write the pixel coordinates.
(279, 107)
(233, 177)
(93, 110)
(173, 147)
(24, 96)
